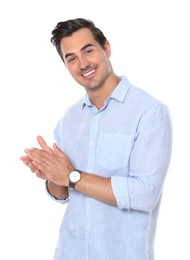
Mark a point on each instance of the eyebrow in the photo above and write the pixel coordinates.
(82, 49)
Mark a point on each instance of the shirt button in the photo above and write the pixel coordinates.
(87, 227)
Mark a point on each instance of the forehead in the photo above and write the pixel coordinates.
(76, 41)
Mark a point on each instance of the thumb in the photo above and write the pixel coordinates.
(57, 150)
(43, 144)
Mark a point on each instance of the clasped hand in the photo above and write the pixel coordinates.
(47, 163)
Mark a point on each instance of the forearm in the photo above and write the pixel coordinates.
(96, 187)
(58, 192)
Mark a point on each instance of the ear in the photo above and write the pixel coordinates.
(108, 49)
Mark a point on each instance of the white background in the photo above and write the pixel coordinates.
(150, 44)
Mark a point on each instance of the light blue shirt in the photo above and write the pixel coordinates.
(129, 140)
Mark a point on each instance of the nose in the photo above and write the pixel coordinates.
(83, 63)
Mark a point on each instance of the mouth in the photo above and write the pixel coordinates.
(88, 74)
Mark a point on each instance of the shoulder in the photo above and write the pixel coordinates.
(137, 95)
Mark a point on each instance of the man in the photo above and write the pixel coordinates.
(111, 156)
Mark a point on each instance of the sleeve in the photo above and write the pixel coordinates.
(53, 198)
(149, 162)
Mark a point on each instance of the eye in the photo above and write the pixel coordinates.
(89, 51)
(71, 59)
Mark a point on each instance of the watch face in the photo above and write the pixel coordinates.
(74, 176)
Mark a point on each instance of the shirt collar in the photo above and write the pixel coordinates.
(118, 94)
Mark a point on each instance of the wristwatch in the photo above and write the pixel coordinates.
(74, 177)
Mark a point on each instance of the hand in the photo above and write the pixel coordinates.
(27, 161)
(49, 164)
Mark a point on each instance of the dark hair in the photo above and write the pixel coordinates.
(67, 28)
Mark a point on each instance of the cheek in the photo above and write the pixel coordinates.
(72, 70)
(74, 74)
(105, 63)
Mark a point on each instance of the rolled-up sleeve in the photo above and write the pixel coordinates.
(149, 161)
(53, 198)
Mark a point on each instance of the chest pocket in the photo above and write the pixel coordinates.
(113, 150)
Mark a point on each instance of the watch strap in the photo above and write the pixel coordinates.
(71, 185)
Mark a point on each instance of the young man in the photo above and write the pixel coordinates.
(111, 156)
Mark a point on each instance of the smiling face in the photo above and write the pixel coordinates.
(86, 60)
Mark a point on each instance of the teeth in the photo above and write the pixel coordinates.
(87, 74)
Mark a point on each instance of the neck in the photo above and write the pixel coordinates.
(99, 96)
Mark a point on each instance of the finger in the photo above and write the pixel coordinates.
(57, 150)
(39, 154)
(23, 158)
(43, 144)
(41, 159)
(29, 163)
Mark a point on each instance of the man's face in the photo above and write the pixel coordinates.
(85, 59)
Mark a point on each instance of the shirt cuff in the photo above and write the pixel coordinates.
(53, 198)
(121, 193)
